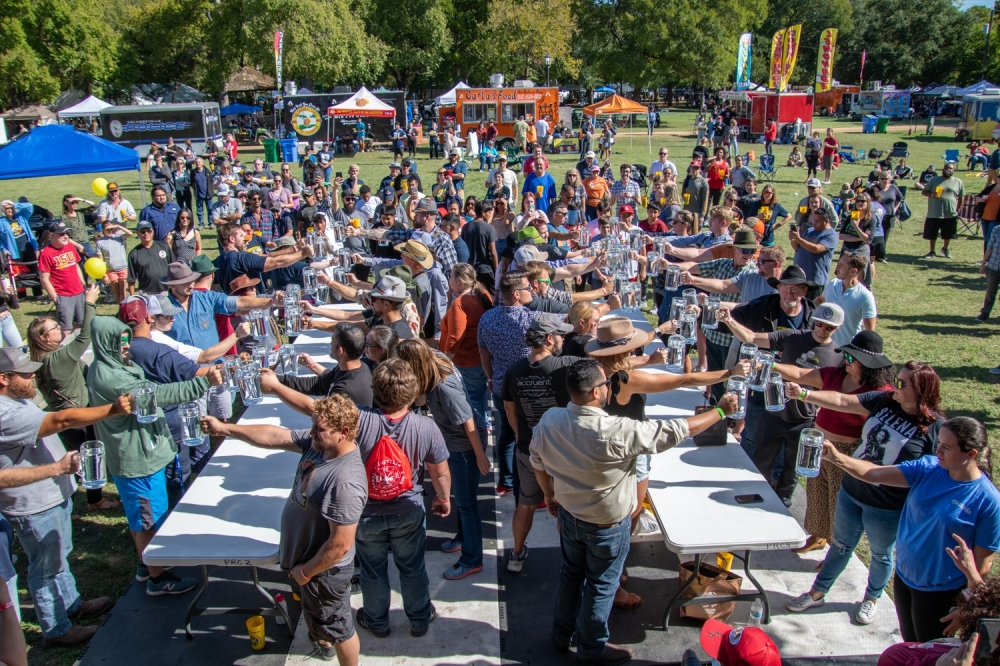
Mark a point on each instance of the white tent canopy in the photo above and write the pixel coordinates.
(362, 104)
(85, 109)
(448, 99)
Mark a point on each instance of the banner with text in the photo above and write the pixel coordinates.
(743, 62)
(789, 53)
(824, 61)
(777, 51)
(279, 45)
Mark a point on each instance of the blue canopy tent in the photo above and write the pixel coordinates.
(236, 109)
(59, 150)
(975, 89)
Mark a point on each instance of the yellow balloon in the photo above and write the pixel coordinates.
(100, 187)
(96, 268)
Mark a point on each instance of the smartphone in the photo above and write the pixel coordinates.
(749, 499)
(338, 175)
(793, 226)
(989, 633)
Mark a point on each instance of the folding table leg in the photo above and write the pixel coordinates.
(766, 617)
(194, 602)
(270, 599)
(677, 595)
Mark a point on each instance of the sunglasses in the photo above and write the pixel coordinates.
(606, 382)
(899, 383)
(745, 250)
(768, 261)
(825, 326)
(145, 231)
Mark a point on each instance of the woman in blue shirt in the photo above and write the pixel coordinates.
(951, 496)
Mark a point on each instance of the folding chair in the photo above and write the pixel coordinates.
(767, 170)
(861, 157)
(900, 149)
(875, 155)
(968, 221)
(515, 157)
(951, 155)
(847, 154)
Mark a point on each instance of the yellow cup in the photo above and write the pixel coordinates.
(938, 190)
(803, 209)
(540, 189)
(255, 626)
(687, 198)
(855, 214)
(765, 213)
(724, 561)
(645, 200)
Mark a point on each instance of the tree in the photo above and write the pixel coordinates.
(518, 34)
(460, 62)
(79, 47)
(415, 33)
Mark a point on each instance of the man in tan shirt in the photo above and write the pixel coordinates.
(584, 460)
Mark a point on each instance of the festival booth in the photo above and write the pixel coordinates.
(979, 115)
(883, 101)
(362, 104)
(752, 108)
(618, 105)
(88, 108)
(836, 100)
(306, 115)
(501, 106)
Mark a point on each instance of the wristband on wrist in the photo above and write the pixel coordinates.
(3, 607)
(722, 414)
(302, 571)
(804, 395)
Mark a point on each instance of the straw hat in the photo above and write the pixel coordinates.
(616, 335)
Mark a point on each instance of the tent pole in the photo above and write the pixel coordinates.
(142, 186)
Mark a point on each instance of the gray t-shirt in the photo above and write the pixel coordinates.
(817, 266)
(451, 410)
(324, 490)
(20, 447)
(113, 250)
(752, 286)
(421, 441)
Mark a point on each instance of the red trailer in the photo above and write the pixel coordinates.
(752, 108)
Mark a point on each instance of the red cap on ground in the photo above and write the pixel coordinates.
(743, 646)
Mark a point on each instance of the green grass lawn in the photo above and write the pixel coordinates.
(926, 307)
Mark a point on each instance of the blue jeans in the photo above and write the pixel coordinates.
(465, 487)
(11, 336)
(47, 539)
(406, 535)
(850, 520)
(592, 563)
(750, 421)
(207, 203)
(474, 378)
(488, 160)
(987, 231)
(503, 449)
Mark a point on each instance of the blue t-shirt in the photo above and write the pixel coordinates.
(817, 266)
(461, 250)
(163, 365)
(280, 278)
(548, 191)
(234, 263)
(459, 167)
(777, 212)
(936, 508)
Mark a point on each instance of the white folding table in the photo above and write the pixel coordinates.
(693, 489)
(231, 514)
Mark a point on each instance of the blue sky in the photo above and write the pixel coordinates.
(985, 3)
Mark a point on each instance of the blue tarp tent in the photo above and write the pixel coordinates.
(605, 90)
(59, 150)
(237, 109)
(975, 88)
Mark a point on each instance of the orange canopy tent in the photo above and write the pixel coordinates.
(616, 104)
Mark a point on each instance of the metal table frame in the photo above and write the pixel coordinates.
(194, 610)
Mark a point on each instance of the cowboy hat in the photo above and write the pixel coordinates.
(791, 275)
(417, 251)
(179, 273)
(866, 349)
(616, 335)
(241, 282)
(745, 239)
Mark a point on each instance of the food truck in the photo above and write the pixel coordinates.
(752, 108)
(881, 101)
(979, 115)
(836, 101)
(499, 105)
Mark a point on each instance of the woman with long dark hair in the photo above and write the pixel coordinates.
(900, 425)
(951, 496)
(458, 333)
(185, 239)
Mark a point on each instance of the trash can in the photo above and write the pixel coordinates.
(883, 125)
(271, 153)
(290, 151)
(868, 124)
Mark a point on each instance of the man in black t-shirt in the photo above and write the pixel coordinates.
(351, 377)
(234, 260)
(481, 238)
(810, 349)
(530, 387)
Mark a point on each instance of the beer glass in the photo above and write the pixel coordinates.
(761, 370)
(688, 323)
(249, 380)
(737, 384)
(292, 320)
(675, 353)
(145, 402)
(322, 293)
(691, 296)
(673, 280)
(231, 364)
(677, 308)
(709, 315)
(92, 472)
(774, 394)
(259, 354)
(294, 292)
(309, 280)
(584, 236)
(190, 415)
(810, 452)
(289, 363)
(748, 351)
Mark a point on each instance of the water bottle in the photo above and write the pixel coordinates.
(279, 599)
(756, 613)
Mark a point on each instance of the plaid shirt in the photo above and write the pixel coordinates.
(626, 193)
(267, 225)
(722, 269)
(994, 244)
(441, 244)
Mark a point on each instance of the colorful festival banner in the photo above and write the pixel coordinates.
(789, 53)
(279, 45)
(743, 62)
(777, 52)
(824, 61)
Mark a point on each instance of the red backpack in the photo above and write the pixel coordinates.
(388, 470)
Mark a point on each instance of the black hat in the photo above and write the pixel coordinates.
(866, 348)
(745, 239)
(791, 275)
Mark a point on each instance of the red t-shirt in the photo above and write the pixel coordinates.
(841, 423)
(657, 226)
(717, 172)
(830, 145)
(61, 265)
(771, 132)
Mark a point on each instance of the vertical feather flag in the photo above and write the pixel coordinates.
(279, 44)
(824, 60)
(790, 53)
(743, 61)
(777, 58)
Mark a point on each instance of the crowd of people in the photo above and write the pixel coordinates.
(484, 326)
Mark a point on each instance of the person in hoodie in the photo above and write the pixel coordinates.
(137, 454)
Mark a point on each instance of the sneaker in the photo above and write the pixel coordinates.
(170, 583)
(515, 563)
(929, 255)
(417, 633)
(995, 371)
(451, 546)
(613, 654)
(360, 620)
(324, 652)
(142, 572)
(804, 602)
(458, 572)
(982, 319)
(866, 612)
(947, 253)
(74, 636)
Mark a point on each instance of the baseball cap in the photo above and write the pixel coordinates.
(550, 324)
(594, 167)
(112, 186)
(502, 158)
(829, 313)
(159, 304)
(285, 241)
(223, 190)
(626, 209)
(144, 224)
(395, 165)
(591, 154)
(58, 229)
(529, 253)
(742, 646)
(813, 182)
(132, 311)
(388, 194)
(308, 192)
(12, 359)
(453, 151)
(425, 205)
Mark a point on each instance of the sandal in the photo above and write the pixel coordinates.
(631, 602)
(811, 544)
(623, 579)
(105, 504)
